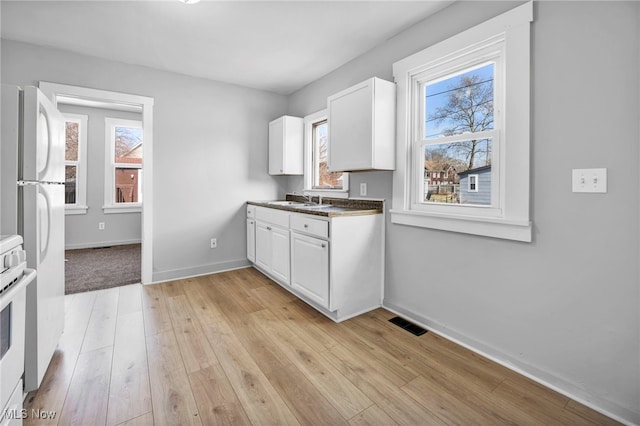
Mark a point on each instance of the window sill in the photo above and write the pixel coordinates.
(75, 209)
(496, 228)
(129, 208)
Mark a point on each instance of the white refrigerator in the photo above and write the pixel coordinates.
(32, 205)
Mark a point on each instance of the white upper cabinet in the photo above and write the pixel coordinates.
(362, 127)
(286, 146)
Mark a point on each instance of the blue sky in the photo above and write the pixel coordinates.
(437, 93)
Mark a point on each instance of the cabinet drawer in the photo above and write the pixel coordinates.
(276, 217)
(311, 226)
(251, 211)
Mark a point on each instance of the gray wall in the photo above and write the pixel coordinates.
(565, 307)
(209, 154)
(120, 228)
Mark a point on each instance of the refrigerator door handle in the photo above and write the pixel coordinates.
(45, 236)
(43, 113)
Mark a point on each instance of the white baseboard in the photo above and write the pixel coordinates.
(608, 408)
(197, 271)
(100, 244)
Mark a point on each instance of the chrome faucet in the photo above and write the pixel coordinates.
(309, 197)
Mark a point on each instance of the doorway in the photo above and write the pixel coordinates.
(64, 95)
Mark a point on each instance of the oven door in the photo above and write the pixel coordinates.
(12, 335)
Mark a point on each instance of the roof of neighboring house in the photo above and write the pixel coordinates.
(476, 170)
(431, 166)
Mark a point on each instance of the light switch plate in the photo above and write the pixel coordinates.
(589, 180)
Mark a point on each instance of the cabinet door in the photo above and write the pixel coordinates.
(310, 268)
(350, 129)
(276, 147)
(251, 240)
(280, 261)
(263, 246)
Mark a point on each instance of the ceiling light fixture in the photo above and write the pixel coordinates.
(189, 1)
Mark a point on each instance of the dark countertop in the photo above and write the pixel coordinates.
(330, 207)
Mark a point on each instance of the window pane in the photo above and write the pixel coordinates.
(128, 185)
(70, 184)
(71, 141)
(447, 169)
(128, 145)
(323, 178)
(460, 104)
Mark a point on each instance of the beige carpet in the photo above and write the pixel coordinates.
(104, 267)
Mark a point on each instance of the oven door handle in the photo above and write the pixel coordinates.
(27, 277)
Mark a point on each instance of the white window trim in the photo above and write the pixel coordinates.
(469, 183)
(309, 121)
(511, 218)
(80, 206)
(110, 206)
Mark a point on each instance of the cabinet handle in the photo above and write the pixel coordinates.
(306, 226)
(323, 245)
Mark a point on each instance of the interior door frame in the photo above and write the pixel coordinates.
(127, 101)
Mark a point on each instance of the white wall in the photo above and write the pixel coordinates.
(565, 307)
(82, 231)
(210, 151)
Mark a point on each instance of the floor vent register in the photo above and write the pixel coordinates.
(409, 326)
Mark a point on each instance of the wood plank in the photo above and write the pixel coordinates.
(156, 313)
(450, 407)
(372, 416)
(130, 299)
(304, 399)
(304, 328)
(129, 392)
(194, 347)
(143, 420)
(265, 352)
(86, 401)
(528, 399)
(589, 414)
(370, 378)
(347, 398)
(173, 401)
(272, 296)
(102, 324)
(261, 402)
(216, 400)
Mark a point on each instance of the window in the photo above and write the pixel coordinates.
(123, 178)
(318, 179)
(465, 144)
(75, 160)
(473, 183)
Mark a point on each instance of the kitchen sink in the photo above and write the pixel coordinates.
(318, 206)
(285, 203)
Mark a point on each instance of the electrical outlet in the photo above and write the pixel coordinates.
(214, 243)
(101, 226)
(363, 189)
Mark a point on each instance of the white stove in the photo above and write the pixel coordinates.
(14, 279)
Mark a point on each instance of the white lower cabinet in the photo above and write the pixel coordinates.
(335, 264)
(251, 240)
(272, 250)
(280, 259)
(310, 268)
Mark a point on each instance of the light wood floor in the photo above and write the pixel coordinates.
(235, 348)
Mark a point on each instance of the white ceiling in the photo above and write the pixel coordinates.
(275, 46)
